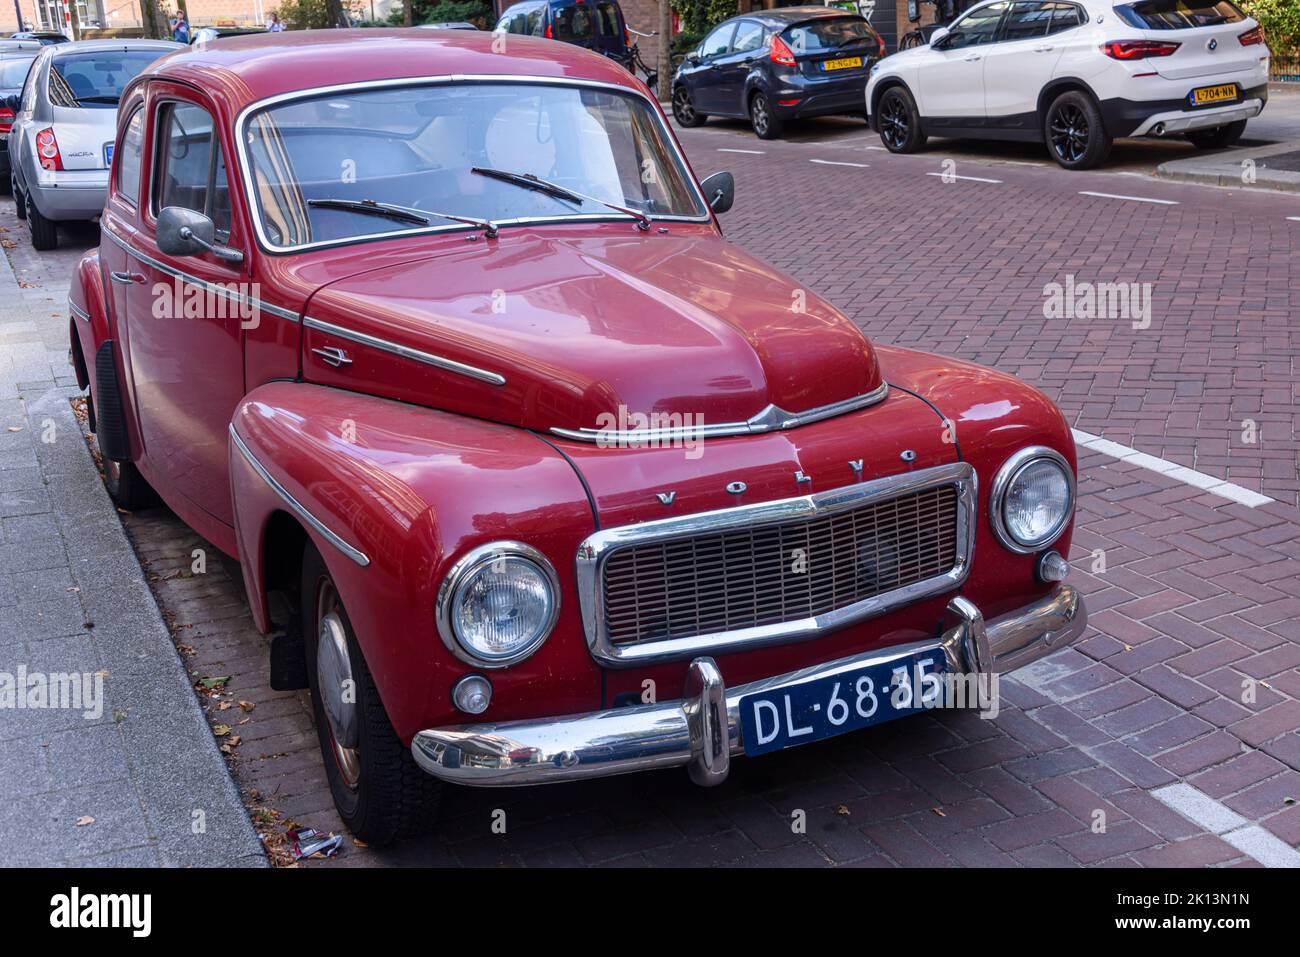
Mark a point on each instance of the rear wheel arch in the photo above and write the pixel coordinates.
(1047, 96)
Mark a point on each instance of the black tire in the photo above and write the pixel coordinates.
(684, 111)
(380, 792)
(20, 201)
(127, 487)
(1075, 132)
(899, 121)
(767, 125)
(1219, 137)
(44, 233)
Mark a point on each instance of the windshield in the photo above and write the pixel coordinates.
(417, 148)
(13, 73)
(95, 80)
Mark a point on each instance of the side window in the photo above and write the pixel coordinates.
(189, 169)
(976, 28)
(749, 36)
(533, 23)
(717, 42)
(1065, 16)
(506, 24)
(128, 161)
(1027, 20)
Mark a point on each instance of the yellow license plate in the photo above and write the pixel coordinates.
(1214, 94)
(844, 63)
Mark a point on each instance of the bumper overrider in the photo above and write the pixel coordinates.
(702, 729)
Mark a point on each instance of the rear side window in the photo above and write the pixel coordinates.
(719, 41)
(1065, 16)
(128, 160)
(1178, 14)
(749, 36)
(95, 80)
(1027, 20)
(607, 19)
(830, 33)
(189, 170)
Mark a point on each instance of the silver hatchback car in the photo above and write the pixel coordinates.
(64, 126)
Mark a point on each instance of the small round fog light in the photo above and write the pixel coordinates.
(1052, 567)
(472, 694)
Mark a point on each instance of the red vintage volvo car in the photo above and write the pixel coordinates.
(533, 476)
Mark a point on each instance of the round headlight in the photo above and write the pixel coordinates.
(1032, 499)
(498, 604)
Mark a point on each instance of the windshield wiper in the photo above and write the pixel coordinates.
(529, 181)
(403, 214)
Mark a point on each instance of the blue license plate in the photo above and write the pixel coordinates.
(810, 711)
(108, 155)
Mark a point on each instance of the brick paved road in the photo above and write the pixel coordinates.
(1199, 593)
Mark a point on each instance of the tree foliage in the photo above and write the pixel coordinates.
(446, 11)
(1280, 20)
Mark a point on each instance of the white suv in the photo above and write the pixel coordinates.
(1076, 74)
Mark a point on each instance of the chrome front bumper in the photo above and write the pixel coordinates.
(702, 729)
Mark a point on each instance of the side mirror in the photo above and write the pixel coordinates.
(183, 232)
(720, 191)
(937, 36)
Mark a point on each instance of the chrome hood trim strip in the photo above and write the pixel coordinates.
(358, 556)
(771, 419)
(406, 352)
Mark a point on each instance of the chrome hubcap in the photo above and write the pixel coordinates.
(338, 690)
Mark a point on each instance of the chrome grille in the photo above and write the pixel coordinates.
(779, 572)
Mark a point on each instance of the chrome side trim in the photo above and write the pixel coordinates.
(78, 311)
(358, 556)
(406, 352)
(771, 419)
(998, 491)
(675, 733)
(596, 549)
(246, 170)
(215, 289)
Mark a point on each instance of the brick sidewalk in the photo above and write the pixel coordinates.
(141, 782)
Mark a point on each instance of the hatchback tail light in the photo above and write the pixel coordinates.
(47, 147)
(781, 53)
(1138, 49)
(549, 34)
(1251, 37)
(6, 119)
(880, 44)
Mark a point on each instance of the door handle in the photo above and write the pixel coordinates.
(973, 57)
(334, 356)
(1043, 49)
(126, 278)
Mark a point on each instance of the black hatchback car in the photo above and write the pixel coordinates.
(772, 66)
(595, 24)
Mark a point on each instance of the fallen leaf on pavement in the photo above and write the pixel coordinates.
(84, 820)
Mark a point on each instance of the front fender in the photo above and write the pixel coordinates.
(989, 415)
(392, 495)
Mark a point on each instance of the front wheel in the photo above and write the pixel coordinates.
(380, 792)
(684, 111)
(1075, 133)
(767, 125)
(899, 121)
(1218, 137)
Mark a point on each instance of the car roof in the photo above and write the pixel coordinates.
(789, 15)
(91, 46)
(243, 70)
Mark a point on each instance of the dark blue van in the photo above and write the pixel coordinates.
(595, 24)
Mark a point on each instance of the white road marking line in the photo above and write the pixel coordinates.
(1294, 219)
(1181, 473)
(1131, 199)
(838, 163)
(975, 179)
(1251, 839)
(723, 149)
